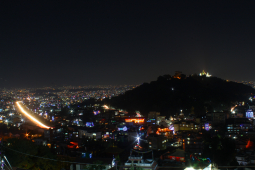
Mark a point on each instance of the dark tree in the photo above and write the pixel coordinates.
(23, 153)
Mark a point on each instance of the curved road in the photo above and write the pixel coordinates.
(31, 117)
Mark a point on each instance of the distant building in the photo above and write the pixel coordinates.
(240, 145)
(40, 141)
(164, 132)
(177, 156)
(249, 113)
(252, 107)
(139, 162)
(160, 118)
(216, 117)
(84, 163)
(157, 142)
(238, 127)
(138, 120)
(186, 126)
(177, 75)
(205, 74)
(88, 133)
(192, 144)
(152, 116)
(243, 159)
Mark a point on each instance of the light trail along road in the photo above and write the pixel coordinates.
(31, 117)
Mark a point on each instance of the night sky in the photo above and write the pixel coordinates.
(45, 43)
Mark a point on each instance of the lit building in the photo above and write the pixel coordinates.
(137, 161)
(135, 120)
(186, 126)
(89, 134)
(216, 117)
(164, 132)
(205, 74)
(238, 127)
(206, 126)
(160, 119)
(153, 115)
(192, 144)
(157, 142)
(177, 156)
(243, 159)
(177, 75)
(249, 114)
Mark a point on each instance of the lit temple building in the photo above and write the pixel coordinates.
(205, 74)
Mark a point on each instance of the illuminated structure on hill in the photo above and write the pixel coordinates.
(205, 74)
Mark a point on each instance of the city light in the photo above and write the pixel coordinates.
(31, 117)
(138, 139)
(106, 107)
(233, 108)
(135, 120)
(189, 168)
(205, 74)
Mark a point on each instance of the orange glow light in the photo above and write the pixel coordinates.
(31, 117)
(249, 144)
(164, 130)
(135, 120)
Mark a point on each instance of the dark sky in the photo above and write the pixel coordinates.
(46, 43)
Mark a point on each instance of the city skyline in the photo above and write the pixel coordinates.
(93, 84)
(98, 42)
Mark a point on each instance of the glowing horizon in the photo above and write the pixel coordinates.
(31, 117)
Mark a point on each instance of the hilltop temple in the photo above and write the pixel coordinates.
(205, 74)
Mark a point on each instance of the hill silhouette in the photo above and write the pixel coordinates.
(193, 95)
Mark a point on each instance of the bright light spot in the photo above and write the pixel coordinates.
(138, 139)
(189, 168)
(105, 106)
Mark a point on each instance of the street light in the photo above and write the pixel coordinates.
(138, 139)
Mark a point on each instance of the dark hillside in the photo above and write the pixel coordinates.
(193, 94)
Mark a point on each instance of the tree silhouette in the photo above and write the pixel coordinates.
(20, 151)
